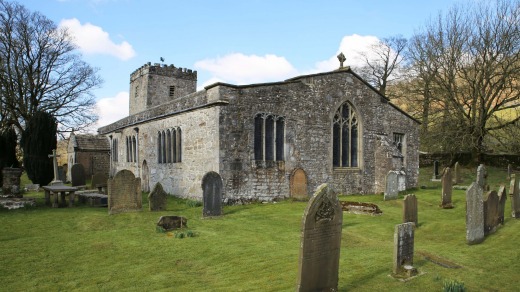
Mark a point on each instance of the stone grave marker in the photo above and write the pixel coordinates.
(320, 242)
(502, 197)
(491, 204)
(11, 182)
(391, 186)
(447, 186)
(61, 174)
(410, 209)
(169, 223)
(212, 194)
(401, 181)
(509, 171)
(474, 214)
(514, 192)
(457, 178)
(435, 169)
(56, 180)
(124, 193)
(298, 184)
(99, 181)
(403, 250)
(157, 198)
(482, 177)
(77, 173)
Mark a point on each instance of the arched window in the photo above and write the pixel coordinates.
(159, 151)
(163, 147)
(269, 137)
(114, 150)
(178, 145)
(345, 135)
(134, 149)
(169, 146)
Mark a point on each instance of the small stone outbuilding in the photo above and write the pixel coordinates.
(91, 151)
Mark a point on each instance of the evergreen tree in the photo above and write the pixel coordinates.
(38, 141)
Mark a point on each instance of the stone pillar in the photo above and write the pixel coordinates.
(11, 181)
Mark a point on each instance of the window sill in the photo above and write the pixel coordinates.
(347, 170)
(269, 164)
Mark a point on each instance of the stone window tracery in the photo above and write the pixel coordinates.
(269, 137)
(131, 149)
(345, 133)
(114, 150)
(399, 141)
(169, 146)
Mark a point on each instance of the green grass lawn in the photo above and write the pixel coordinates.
(250, 248)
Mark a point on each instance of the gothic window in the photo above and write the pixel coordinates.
(171, 92)
(159, 150)
(169, 146)
(131, 149)
(178, 145)
(134, 149)
(163, 147)
(398, 141)
(114, 150)
(345, 137)
(269, 137)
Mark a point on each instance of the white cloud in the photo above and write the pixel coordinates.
(93, 39)
(238, 68)
(112, 109)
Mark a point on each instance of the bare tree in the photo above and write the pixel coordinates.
(470, 58)
(40, 70)
(382, 62)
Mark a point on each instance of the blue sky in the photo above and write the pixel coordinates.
(233, 41)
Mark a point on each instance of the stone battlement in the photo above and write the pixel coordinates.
(165, 70)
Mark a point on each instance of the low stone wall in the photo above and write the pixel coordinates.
(449, 159)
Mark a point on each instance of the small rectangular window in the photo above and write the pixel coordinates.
(398, 141)
(172, 91)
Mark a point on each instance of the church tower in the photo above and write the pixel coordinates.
(153, 85)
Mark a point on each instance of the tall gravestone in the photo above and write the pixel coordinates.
(157, 198)
(410, 209)
(320, 242)
(474, 214)
(514, 192)
(78, 176)
(491, 205)
(457, 177)
(447, 186)
(391, 186)
(212, 194)
(509, 171)
(502, 197)
(482, 177)
(436, 169)
(404, 249)
(124, 193)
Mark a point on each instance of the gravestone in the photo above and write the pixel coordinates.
(401, 181)
(318, 264)
(56, 180)
(391, 186)
(298, 184)
(514, 192)
(77, 173)
(447, 182)
(124, 193)
(482, 177)
(502, 197)
(509, 171)
(491, 204)
(212, 194)
(474, 214)
(61, 174)
(157, 198)
(457, 178)
(410, 209)
(99, 181)
(403, 250)
(169, 223)
(435, 169)
(11, 182)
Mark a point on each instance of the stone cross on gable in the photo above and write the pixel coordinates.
(54, 156)
(341, 59)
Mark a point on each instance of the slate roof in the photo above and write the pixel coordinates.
(91, 143)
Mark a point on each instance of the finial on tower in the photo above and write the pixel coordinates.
(341, 59)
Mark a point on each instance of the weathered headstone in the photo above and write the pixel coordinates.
(457, 178)
(212, 194)
(435, 169)
(447, 182)
(99, 181)
(61, 174)
(78, 177)
(401, 181)
(514, 192)
(172, 222)
(157, 198)
(403, 250)
(474, 214)
(298, 184)
(509, 171)
(502, 197)
(320, 242)
(482, 177)
(11, 182)
(124, 193)
(491, 204)
(391, 186)
(410, 209)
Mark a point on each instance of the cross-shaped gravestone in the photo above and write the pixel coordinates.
(55, 162)
(341, 59)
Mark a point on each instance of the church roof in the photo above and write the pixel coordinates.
(91, 142)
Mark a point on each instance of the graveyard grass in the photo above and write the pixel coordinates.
(251, 248)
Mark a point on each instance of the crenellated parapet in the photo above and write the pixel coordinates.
(164, 70)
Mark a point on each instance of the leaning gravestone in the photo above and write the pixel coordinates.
(491, 204)
(320, 242)
(514, 192)
(457, 178)
(403, 250)
(447, 186)
(212, 194)
(124, 193)
(391, 186)
(410, 209)
(157, 198)
(502, 197)
(78, 177)
(474, 214)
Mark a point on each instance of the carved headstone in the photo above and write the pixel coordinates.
(457, 178)
(212, 194)
(320, 242)
(514, 192)
(502, 197)
(78, 176)
(491, 204)
(169, 223)
(157, 198)
(391, 186)
(410, 209)
(124, 193)
(436, 169)
(298, 183)
(447, 182)
(403, 250)
(474, 214)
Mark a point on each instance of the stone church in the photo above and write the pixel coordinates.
(267, 141)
